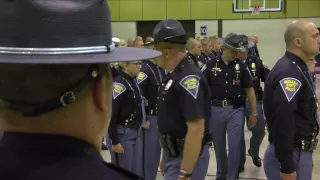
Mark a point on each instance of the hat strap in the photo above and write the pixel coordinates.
(57, 51)
(65, 99)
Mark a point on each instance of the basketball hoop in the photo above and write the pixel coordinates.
(255, 9)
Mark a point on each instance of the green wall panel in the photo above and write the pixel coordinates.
(245, 5)
(179, 9)
(114, 6)
(203, 9)
(130, 10)
(224, 10)
(309, 8)
(292, 9)
(154, 9)
(135, 10)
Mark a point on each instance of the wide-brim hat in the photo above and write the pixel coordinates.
(235, 41)
(172, 31)
(61, 32)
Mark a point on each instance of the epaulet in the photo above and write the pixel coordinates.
(123, 171)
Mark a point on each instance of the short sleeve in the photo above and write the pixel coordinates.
(247, 78)
(192, 98)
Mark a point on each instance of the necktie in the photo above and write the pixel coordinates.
(142, 103)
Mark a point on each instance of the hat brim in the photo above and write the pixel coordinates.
(167, 39)
(120, 54)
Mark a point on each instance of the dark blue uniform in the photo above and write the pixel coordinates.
(227, 81)
(259, 73)
(184, 96)
(149, 80)
(216, 54)
(126, 121)
(198, 61)
(290, 108)
(207, 57)
(52, 157)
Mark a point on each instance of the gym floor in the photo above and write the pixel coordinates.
(251, 172)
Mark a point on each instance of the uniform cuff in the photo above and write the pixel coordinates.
(287, 166)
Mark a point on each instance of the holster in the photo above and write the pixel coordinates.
(172, 146)
(239, 101)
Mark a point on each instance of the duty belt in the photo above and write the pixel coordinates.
(221, 103)
(306, 145)
(173, 146)
(151, 111)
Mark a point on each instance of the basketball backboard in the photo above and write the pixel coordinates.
(248, 6)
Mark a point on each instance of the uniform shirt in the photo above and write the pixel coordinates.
(52, 157)
(149, 80)
(215, 54)
(126, 104)
(253, 51)
(290, 107)
(183, 97)
(227, 81)
(207, 57)
(259, 73)
(197, 60)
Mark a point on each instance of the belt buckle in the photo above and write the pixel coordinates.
(224, 103)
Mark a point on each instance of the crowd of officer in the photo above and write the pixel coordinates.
(197, 92)
(180, 102)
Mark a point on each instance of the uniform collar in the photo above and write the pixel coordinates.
(192, 56)
(47, 142)
(297, 60)
(181, 64)
(127, 76)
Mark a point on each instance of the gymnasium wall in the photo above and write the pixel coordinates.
(268, 26)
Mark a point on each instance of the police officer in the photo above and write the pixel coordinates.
(194, 48)
(55, 89)
(289, 103)
(183, 107)
(259, 73)
(128, 115)
(216, 46)
(207, 49)
(149, 80)
(229, 79)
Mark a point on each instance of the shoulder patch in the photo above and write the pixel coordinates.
(118, 89)
(141, 77)
(191, 84)
(290, 87)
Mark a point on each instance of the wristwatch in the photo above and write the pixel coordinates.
(185, 174)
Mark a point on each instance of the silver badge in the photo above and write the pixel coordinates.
(168, 85)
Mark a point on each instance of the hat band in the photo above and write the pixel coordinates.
(57, 51)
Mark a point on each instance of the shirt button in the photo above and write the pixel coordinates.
(226, 91)
(226, 74)
(226, 82)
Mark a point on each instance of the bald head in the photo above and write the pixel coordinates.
(302, 39)
(297, 29)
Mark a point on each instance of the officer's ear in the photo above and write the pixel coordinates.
(102, 91)
(298, 42)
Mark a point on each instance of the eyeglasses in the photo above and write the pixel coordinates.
(136, 63)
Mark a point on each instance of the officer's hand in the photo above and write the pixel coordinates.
(117, 148)
(146, 124)
(252, 121)
(183, 178)
(292, 176)
(161, 167)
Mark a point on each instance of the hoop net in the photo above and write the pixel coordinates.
(255, 9)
